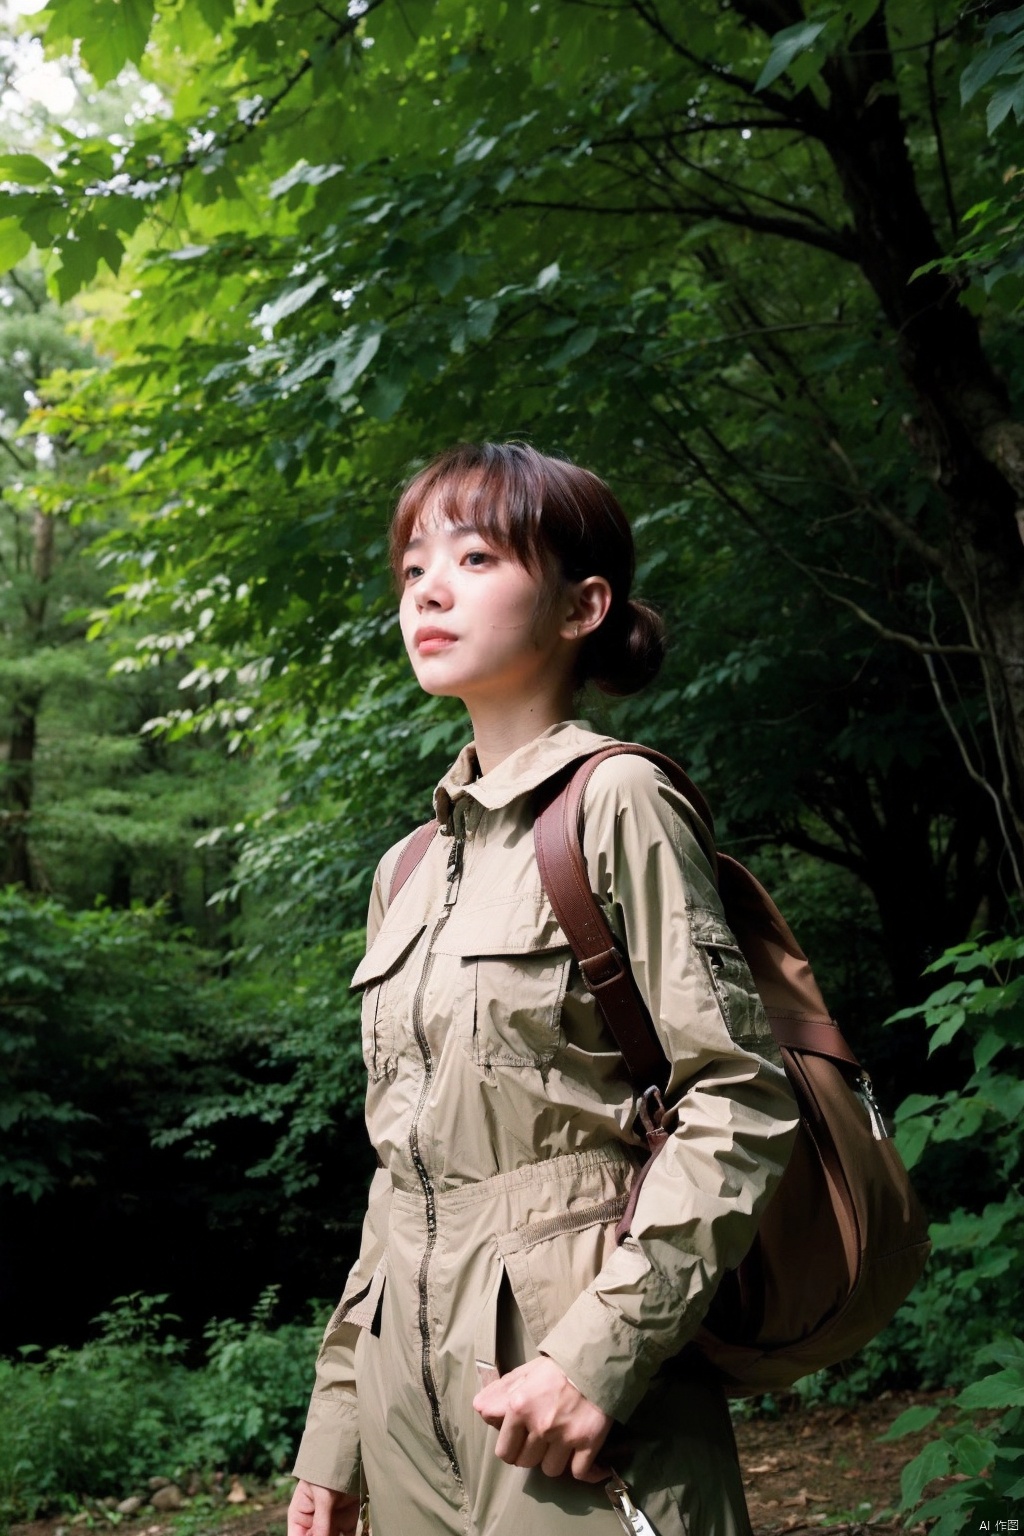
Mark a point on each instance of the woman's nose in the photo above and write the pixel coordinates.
(433, 590)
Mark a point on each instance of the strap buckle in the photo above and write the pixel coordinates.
(599, 970)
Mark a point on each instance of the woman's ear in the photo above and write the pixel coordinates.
(589, 601)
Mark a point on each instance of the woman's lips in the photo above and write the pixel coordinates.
(429, 641)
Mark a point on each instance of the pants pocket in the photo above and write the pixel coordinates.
(549, 1263)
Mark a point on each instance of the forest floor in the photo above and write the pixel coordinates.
(811, 1468)
(824, 1467)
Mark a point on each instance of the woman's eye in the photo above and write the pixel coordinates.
(479, 557)
(411, 572)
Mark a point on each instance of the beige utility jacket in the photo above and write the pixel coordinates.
(503, 1121)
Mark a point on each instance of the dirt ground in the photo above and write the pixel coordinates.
(808, 1469)
(824, 1466)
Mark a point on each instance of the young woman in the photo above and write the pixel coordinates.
(495, 1352)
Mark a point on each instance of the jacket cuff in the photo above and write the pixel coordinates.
(605, 1357)
(328, 1454)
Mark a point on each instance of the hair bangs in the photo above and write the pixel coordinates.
(492, 488)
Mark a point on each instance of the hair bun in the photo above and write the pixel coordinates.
(626, 653)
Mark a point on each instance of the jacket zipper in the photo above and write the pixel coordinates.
(429, 1384)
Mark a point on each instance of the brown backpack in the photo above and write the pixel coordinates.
(843, 1239)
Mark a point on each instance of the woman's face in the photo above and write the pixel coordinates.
(477, 625)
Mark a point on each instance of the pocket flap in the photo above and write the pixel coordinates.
(525, 925)
(391, 946)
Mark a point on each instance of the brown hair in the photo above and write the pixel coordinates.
(546, 513)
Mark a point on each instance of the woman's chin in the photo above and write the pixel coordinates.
(438, 687)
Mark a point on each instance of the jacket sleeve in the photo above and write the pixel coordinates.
(328, 1453)
(329, 1450)
(731, 1108)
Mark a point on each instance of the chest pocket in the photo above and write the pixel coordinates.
(516, 962)
(385, 998)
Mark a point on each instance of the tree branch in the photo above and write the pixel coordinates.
(738, 191)
(911, 642)
(890, 520)
(805, 843)
(22, 463)
(940, 143)
(788, 229)
(974, 773)
(800, 108)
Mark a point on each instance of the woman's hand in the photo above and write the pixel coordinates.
(544, 1421)
(316, 1511)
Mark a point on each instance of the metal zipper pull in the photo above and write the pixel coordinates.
(634, 1521)
(454, 870)
(866, 1093)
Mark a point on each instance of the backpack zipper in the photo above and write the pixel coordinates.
(864, 1089)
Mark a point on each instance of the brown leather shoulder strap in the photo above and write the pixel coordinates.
(411, 856)
(558, 841)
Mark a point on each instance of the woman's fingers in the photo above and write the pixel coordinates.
(512, 1437)
(300, 1510)
(586, 1468)
(317, 1511)
(544, 1421)
(555, 1460)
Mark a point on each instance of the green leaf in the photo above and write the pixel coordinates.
(481, 318)
(79, 259)
(973, 1454)
(932, 1462)
(1008, 1352)
(111, 33)
(216, 12)
(287, 303)
(950, 1026)
(1005, 1389)
(352, 357)
(987, 65)
(26, 170)
(787, 45)
(911, 1139)
(910, 1421)
(14, 243)
(946, 1509)
(860, 13)
(110, 248)
(915, 1104)
(446, 270)
(1009, 99)
(1010, 21)
(384, 398)
(578, 343)
(987, 1048)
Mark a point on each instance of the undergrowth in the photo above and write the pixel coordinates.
(102, 1420)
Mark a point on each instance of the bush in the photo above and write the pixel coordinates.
(250, 1398)
(103, 1419)
(961, 1318)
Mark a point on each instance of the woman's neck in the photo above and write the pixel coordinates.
(501, 728)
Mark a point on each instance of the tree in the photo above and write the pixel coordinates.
(35, 537)
(689, 255)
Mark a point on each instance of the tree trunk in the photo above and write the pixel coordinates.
(973, 447)
(21, 748)
(19, 786)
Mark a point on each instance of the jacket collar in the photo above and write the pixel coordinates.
(520, 773)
